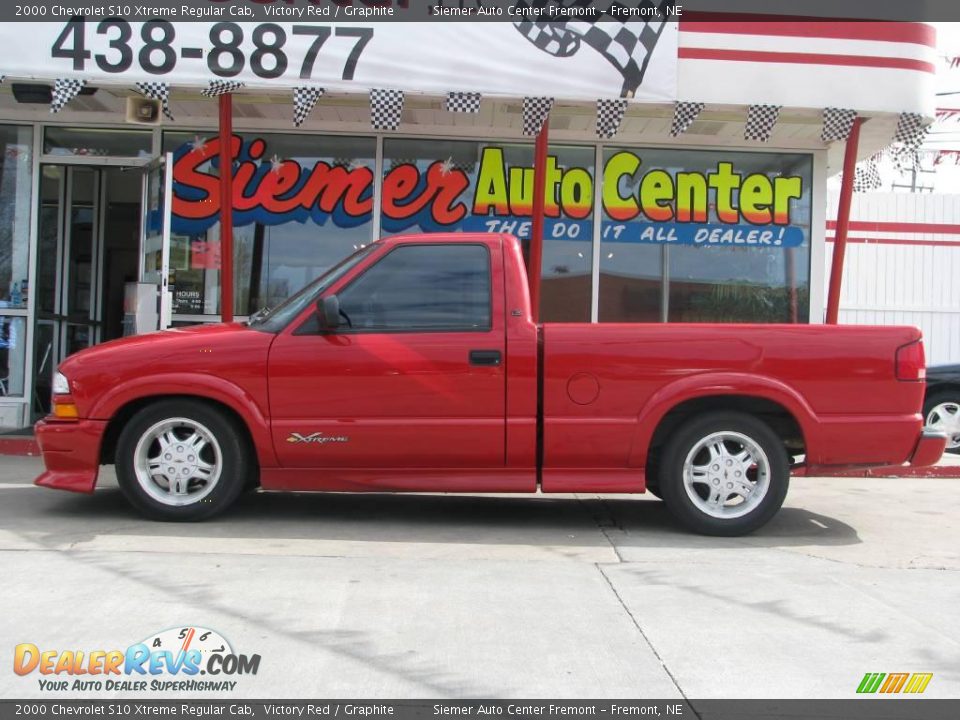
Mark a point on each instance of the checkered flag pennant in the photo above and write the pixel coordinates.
(386, 107)
(684, 113)
(304, 100)
(626, 42)
(535, 112)
(157, 91)
(65, 90)
(867, 176)
(905, 159)
(464, 166)
(463, 102)
(837, 124)
(760, 122)
(609, 116)
(216, 88)
(910, 130)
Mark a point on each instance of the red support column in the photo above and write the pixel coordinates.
(536, 233)
(226, 208)
(843, 222)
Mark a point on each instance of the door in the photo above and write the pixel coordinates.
(155, 237)
(88, 247)
(417, 378)
(69, 250)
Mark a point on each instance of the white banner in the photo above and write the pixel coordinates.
(573, 60)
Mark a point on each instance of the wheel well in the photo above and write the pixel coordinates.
(948, 387)
(780, 420)
(108, 447)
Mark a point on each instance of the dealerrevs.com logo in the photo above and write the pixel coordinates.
(179, 659)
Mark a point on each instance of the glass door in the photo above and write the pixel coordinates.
(155, 235)
(68, 279)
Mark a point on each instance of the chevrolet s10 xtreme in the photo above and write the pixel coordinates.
(415, 365)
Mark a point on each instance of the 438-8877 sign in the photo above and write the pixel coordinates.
(569, 60)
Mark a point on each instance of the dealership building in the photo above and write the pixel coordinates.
(685, 170)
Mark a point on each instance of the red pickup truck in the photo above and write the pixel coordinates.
(415, 365)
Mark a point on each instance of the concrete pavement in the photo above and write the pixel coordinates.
(494, 596)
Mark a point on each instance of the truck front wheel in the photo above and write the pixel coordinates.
(181, 460)
(724, 473)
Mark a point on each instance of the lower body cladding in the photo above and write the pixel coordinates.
(726, 473)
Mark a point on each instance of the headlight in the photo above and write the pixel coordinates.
(61, 386)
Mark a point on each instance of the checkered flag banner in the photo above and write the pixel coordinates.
(65, 90)
(157, 91)
(216, 88)
(463, 102)
(609, 116)
(386, 107)
(625, 43)
(684, 113)
(867, 176)
(837, 124)
(905, 159)
(464, 166)
(304, 100)
(910, 130)
(535, 112)
(760, 122)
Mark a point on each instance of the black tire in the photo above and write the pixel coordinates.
(686, 438)
(237, 464)
(939, 398)
(652, 475)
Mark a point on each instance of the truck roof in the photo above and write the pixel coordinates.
(448, 237)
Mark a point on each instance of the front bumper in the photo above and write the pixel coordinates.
(71, 453)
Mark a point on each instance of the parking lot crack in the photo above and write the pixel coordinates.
(604, 521)
(646, 638)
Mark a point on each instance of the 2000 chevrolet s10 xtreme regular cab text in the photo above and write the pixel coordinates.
(415, 365)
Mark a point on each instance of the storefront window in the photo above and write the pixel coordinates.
(437, 185)
(15, 175)
(97, 142)
(301, 204)
(731, 228)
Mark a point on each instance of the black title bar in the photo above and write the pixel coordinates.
(475, 10)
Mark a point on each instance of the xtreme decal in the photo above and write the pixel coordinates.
(643, 204)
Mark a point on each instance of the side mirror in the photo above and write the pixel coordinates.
(329, 310)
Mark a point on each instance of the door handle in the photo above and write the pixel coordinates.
(485, 357)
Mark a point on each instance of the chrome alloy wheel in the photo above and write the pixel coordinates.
(945, 418)
(726, 475)
(178, 461)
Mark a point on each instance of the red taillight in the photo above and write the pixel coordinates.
(911, 362)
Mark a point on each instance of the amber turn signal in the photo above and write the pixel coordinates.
(65, 410)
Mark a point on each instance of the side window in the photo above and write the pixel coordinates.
(423, 287)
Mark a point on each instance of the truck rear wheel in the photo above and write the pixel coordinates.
(724, 473)
(182, 460)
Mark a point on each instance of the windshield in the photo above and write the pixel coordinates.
(275, 319)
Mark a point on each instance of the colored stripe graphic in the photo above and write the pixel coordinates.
(918, 682)
(894, 683)
(870, 682)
